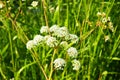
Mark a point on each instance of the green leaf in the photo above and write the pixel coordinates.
(4, 50)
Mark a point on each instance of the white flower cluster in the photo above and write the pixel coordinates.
(73, 38)
(44, 29)
(107, 37)
(72, 52)
(59, 31)
(63, 33)
(64, 44)
(52, 42)
(36, 41)
(56, 36)
(106, 24)
(75, 64)
(30, 44)
(34, 3)
(59, 64)
(54, 28)
(105, 21)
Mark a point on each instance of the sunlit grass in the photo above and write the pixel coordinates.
(98, 46)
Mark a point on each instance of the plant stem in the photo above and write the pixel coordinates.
(44, 7)
(51, 70)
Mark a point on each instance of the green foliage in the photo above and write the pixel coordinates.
(98, 46)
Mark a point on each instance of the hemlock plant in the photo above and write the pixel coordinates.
(57, 37)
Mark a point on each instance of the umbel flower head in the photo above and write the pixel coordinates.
(73, 38)
(64, 44)
(34, 3)
(105, 21)
(61, 32)
(30, 44)
(52, 42)
(44, 29)
(107, 37)
(72, 52)
(59, 64)
(38, 39)
(99, 14)
(54, 28)
(46, 37)
(75, 64)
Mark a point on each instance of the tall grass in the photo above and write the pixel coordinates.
(20, 22)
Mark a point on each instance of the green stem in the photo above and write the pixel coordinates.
(2, 74)
(18, 73)
(51, 70)
(37, 59)
(77, 75)
(11, 51)
(44, 7)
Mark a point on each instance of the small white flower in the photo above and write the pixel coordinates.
(72, 52)
(38, 39)
(23, 0)
(75, 64)
(104, 26)
(44, 29)
(30, 44)
(12, 79)
(62, 32)
(112, 28)
(52, 9)
(8, 1)
(99, 14)
(74, 38)
(34, 3)
(64, 44)
(108, 19)
(103, 14)
(110, 25)
(104, 20)
(59, 63)
(107, 38)
(1, 4)
(54, 28)
(52, 42)
(46, 37)
(9, 8)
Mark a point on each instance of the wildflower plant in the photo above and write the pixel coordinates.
(105, 21)
(106, 24)
(59, 40)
